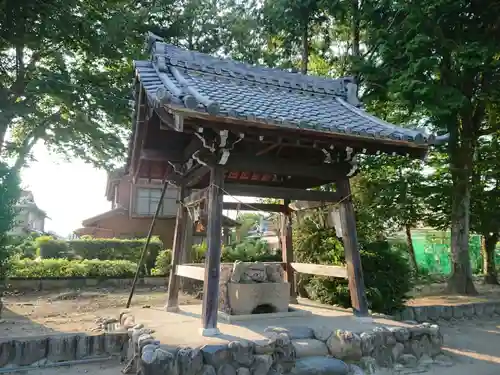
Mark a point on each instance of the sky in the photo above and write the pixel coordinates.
(71, 191)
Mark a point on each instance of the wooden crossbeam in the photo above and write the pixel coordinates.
(266, 207)
(265, 164)
(191, 272)
(193, 176)
(281, 193)
(320, 270)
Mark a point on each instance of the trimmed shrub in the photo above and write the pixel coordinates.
(387, 274)
(162, 264)
(49, 248)
(70, 268)
(115, 248)
(250, 250)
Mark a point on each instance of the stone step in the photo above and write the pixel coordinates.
(310, 348)
(320, 366)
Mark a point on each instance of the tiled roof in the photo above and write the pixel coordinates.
(226, 88)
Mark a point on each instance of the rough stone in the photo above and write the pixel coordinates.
(367, 343)
(62, 348)
(285, 355)
(216, 355)
(254, 272)
(420, 330)
(29, 350)
(114, 343)
(238, 269)
(382, 336)
(383, 356)
(369, 364)
(226, 369)
(479, 310)
(309, 348)
(294, 333)
(469, 311)
(189, 361)
(489, 309)
(7, 352)
(402, 334)
(408, 314)
(425, 361)
(320, 366)
(355, 370)
(420, 313)
(128, 321)
(408, 360)
(262, 364)
(264, 346)
(207, 370)
(243, 371)
(275, 273)
(242, 352)
(416, 348)
(436, 345)
(458, 311)
(346, 345)
(425, 345)
(397, 351)
(83, 346)
(322, 333)
(446, 312)
(155, 362)
(144, 340)
(99, 346)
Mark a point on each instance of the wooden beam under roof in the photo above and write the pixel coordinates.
(262, 164)
(266, 207)
(281, 193)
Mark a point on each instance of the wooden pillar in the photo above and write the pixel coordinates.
(351, 250)
(186, 284)
(287, 250)
(212, 261)
(180, 224)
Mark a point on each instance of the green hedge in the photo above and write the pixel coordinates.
(99, 248)
(67, 268)
(387, 274)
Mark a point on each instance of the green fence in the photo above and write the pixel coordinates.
(432, 251)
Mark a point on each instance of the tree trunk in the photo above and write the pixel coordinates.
(305, 48)
(461, 157)
(411, 249)
(489, 265)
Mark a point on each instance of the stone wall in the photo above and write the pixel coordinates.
(434, 313)
(77, 282)
(298, 350)
(249, 273)
(42, 351)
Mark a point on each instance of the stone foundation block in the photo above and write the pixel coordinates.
(62, 348)
(29, 351)
(309, 348)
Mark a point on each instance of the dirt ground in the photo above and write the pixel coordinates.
(69, 311)
(434, 294)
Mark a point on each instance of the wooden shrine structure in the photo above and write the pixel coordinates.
(217, 127)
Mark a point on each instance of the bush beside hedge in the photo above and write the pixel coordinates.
(387, 274)
(70, 268)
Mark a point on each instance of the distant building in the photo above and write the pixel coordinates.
(133, 206)
(30, 217)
